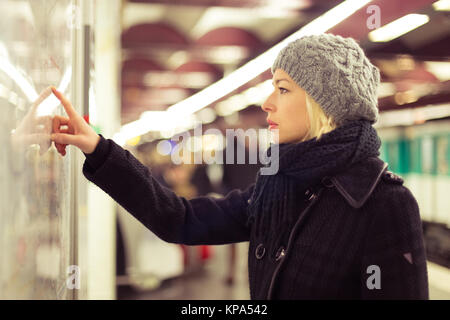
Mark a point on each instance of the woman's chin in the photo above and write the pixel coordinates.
(275, 136)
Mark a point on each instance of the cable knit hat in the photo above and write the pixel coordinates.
(335, 72)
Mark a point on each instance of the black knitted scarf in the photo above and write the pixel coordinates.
(303, 165)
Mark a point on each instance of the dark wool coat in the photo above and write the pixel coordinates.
(357, 236)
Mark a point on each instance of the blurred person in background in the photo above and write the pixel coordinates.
(240, 176)
(332, 223)
(234, 175)
(149, 156)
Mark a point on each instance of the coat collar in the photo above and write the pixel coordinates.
(357, 183)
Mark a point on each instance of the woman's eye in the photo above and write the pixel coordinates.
(281, 90)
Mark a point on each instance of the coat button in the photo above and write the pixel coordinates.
(280, 254)
(326, 181)
(260, 251)
(249, 201)
(309, 195)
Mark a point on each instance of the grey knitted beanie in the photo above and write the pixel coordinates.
(335, 72)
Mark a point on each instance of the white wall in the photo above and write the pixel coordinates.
(100, 220)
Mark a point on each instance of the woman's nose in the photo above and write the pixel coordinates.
(268, 105)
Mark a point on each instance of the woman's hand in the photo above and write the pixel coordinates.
(77, 131)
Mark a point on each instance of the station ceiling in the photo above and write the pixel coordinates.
(172, 49)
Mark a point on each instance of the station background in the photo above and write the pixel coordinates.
(123, 64)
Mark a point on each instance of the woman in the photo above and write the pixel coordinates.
(333, 223)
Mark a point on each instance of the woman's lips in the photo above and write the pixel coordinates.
(272, 125)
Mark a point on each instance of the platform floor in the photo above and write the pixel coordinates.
(210, 283)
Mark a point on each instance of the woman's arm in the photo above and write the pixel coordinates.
(202, 220)
(394, 262)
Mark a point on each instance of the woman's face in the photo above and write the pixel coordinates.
(286, 106)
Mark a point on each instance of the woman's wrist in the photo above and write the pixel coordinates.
(100, 153)
(93, 146)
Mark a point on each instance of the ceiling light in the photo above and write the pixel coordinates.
(223, 109)
(255, 67)
(410, 116)
(195, 79)
(386, 89)
(226, 54)
(207, 115)
(134, 141)
(136, 13)
(442, 5)
(275, 13)
(288, 5)
(255, 95)
(232, 119)
(164, 147)
(282, 9)
(398, 27)
(441, 69)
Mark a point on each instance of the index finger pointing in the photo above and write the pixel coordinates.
(66, 103)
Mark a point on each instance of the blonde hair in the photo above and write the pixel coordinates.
(319, 122)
